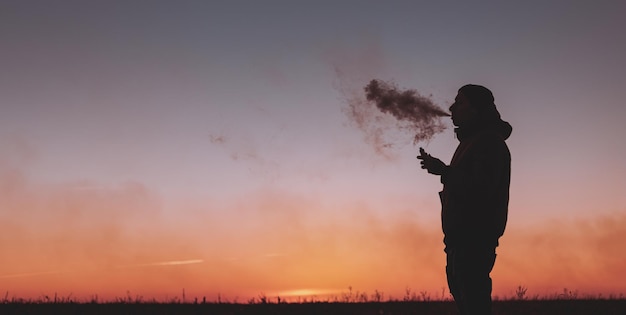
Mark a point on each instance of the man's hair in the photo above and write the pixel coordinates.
(482, 100)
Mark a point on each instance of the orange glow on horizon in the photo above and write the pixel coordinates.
(110, 243)
(540, 261)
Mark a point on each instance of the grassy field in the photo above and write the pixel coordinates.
(511, 307)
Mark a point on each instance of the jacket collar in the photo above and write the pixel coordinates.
(498, 126)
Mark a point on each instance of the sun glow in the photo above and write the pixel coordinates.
(308, 292)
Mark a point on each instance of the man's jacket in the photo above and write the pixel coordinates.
(475, 194)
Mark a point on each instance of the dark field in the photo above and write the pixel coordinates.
(512, 307)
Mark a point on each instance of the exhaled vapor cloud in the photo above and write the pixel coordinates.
(415, 112)
(386, 115)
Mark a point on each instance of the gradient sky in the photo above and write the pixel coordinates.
(152, 146)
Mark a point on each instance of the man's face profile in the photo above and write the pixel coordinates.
(461, 110)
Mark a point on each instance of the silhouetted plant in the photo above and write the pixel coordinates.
(263, 298)
(378, 296)
(408, 295)
(520, 292)
(568, 294)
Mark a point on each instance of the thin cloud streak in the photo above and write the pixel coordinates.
(172, 263)
(32, 274)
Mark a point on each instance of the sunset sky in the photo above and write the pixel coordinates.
(148, 147)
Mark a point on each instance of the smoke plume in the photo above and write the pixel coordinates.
(410, 111)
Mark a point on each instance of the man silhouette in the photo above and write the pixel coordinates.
(475, 196)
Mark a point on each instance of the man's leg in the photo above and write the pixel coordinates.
(468, 279)
(453, 283)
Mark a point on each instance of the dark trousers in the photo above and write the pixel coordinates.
(468, 271)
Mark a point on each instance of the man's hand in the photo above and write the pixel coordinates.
(432, 164)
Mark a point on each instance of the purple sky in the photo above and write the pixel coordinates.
(115, 91)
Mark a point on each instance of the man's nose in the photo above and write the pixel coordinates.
(452, 107)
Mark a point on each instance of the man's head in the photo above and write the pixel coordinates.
(473, 103)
